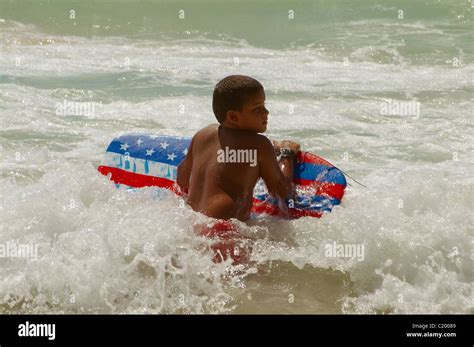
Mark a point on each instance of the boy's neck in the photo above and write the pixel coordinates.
(234, 127)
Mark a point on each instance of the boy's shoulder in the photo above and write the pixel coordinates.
(211, 130)
(205, 133)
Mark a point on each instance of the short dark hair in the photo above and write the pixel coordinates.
(231, 93)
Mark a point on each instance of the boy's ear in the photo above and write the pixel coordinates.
(233, 116)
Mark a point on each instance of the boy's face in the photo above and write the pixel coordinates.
(253, 116)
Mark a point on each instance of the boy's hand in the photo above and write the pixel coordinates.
(293, 146)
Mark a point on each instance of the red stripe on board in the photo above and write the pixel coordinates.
(333, 190)
(294, 213)
(133, 179)
(263, 208)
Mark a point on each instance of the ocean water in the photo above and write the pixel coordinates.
(382, 89)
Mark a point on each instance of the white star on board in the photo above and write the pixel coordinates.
(164, 145)
(139, 142)
(124, 146)
(171, 156)
(185, 152)
(150, 151)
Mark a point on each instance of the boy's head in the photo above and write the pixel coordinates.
(239, 102)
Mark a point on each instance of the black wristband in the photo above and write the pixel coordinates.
(285, 153)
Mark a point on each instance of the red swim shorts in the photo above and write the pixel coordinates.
(227, 242)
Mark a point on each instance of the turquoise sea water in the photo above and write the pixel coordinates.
(382, 89)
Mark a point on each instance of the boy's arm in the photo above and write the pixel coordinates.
(287, 162)
(278, 181)
(184, 168)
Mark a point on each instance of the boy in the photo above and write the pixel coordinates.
(221, 185)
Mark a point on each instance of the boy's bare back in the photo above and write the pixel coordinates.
(220, 189)
(225, 161)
